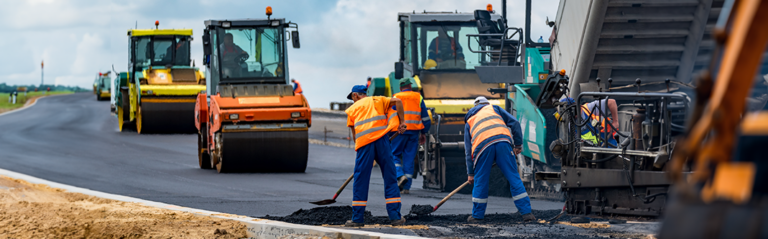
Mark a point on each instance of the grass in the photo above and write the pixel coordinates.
(21, 99)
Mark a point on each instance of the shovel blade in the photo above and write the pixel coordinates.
(324, 202)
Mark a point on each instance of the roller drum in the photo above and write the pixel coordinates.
(168, 117)
(264, 151)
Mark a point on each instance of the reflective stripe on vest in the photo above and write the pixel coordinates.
(411, 109)
(485, 124)
(595, 119)
(370, 116)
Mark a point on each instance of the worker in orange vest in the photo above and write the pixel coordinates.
(370, 118)
(489, 133)
(296, 87)
(407, 144)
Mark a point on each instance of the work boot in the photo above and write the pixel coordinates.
(529, 217)
(406, 191)
(350, 223)
(472, 219)
(401, 182)
(398, 222)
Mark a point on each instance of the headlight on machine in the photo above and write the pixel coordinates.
(234, 116)
(295, 114)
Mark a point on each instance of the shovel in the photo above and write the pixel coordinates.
(423, 210)
(333, 200)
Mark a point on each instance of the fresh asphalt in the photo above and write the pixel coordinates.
(73, 139)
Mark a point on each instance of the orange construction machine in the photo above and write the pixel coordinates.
(250, 119)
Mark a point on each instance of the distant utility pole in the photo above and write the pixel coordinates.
(42, 73)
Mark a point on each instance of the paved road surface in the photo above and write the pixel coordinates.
(73, 139)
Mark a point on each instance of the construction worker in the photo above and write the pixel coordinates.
(231, 57)
(370, 118)
(444, 48)
(296, 87)
(589, 111)
(487, 139)
(368, 84)
(407, 144)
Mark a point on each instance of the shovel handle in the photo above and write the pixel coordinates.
(394, 135)
(343, 186)
(353, 175)
(450, 195)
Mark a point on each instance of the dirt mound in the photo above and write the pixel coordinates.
(38, 211)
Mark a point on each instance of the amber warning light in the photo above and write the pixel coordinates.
(489, 7)
(269, 11)
(562, 72)
(157, 23)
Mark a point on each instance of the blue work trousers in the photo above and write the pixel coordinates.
(404, 149)
(501, 153)
(381, 152)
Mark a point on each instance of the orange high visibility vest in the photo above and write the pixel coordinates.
(485, 124)
(371, 117)
(412, 109)
(595, 118)
(298, 88)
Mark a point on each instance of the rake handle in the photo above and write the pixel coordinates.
(450, 195)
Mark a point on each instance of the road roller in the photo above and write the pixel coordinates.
(249, 119)
(163, 83)
(101, 86)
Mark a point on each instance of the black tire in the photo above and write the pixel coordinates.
(218, 160)
(203, 158)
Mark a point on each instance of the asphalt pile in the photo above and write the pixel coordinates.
(338, 215)
(499, 225)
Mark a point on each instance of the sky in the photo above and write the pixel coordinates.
(342, 41)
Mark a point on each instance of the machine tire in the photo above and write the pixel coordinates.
(203, 157)
(219, 159)
(122, 124)
(120, 121)
(138, 120)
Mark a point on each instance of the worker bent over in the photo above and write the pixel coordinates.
(487, 139)
(370, 118)
(600, 130)
(406, 145)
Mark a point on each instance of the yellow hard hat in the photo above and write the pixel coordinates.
(429, 64)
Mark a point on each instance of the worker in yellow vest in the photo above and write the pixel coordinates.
(406, 146)
(600, 130)
(370, 118)
(489, 133)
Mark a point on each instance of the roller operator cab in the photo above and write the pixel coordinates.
(250, 119)
(448, 56)
(162, 82)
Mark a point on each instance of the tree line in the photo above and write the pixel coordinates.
(11, 88)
